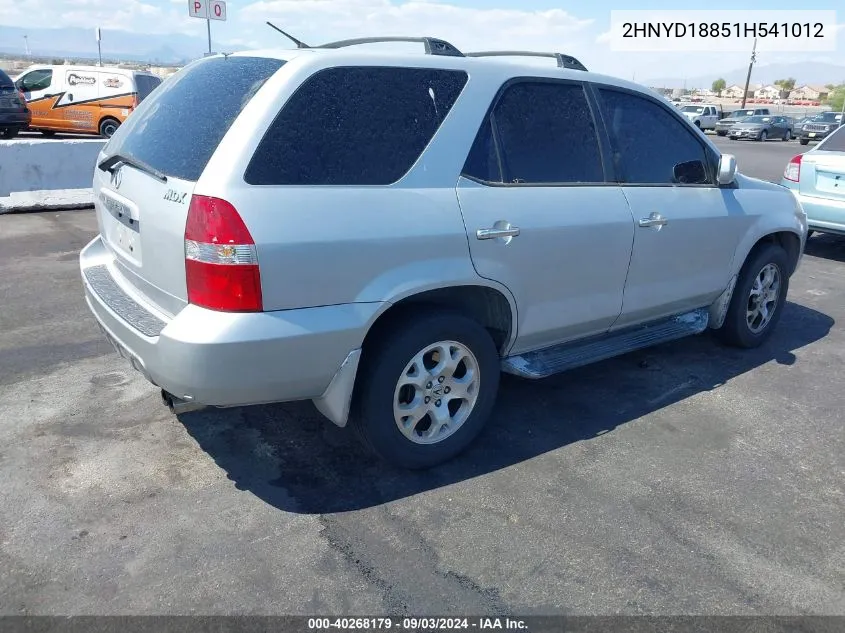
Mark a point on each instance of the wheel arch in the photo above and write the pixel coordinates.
(788, 239)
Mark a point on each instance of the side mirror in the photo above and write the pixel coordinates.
(727, 169)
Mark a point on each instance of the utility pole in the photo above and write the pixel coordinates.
(748, 77)
(99, 48)
(26, 44)
(208, 24)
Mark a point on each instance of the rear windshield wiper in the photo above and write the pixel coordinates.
(118, 159)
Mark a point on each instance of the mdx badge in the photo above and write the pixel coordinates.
(175, 196)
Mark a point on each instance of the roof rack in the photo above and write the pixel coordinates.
(433, 45)
(563, 61)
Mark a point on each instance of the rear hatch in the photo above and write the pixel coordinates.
(147, 172)
(823, 169)
(10, 99)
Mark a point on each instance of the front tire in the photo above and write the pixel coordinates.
(425, 389)
(787, 136)
(764, 136)
(9, 133)
(803, 141)
(721, 133)
(758, 298)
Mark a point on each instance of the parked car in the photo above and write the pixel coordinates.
(819, 127)
(724, 125)
(703, 116)
(762, 128)
(818, 179)
(14, 115)
(83, 99)
(384, 233)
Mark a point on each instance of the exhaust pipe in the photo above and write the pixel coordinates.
(178, 405)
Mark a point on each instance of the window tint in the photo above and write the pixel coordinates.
(146, 85)
(483, 160)
(650, 145)
(835, 142)
(177, 128)
(355, 126)
(5, 80)
(37, 80)
(547, 134)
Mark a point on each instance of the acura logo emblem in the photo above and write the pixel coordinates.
(116, 178)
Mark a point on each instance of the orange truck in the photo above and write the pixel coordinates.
(83, 99)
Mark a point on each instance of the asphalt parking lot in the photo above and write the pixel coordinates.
(688, 478)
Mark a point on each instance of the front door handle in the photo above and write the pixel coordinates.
(654, 219)
(489, 234)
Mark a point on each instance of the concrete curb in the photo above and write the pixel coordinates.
(51, 200)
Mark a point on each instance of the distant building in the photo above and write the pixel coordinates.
(809, 93)
(767, 92)
(733, 92)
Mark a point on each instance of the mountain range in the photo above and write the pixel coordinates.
(116, 45)
(803, 72)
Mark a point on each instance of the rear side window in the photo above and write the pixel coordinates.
(146, 85)
(834, 143)
(545, 135)
(355, 126)
(177, 129)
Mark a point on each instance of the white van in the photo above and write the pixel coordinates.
(83, 99)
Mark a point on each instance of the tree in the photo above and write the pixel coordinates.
(836, 98)
(786, 86)
(718, 86)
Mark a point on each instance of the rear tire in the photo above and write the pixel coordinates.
(108, 127)
(721, 133)
(758, 298)
(803, 141)
(764, 136)
(9, 133)
(787, 136)
(403, 373)
(47, 133)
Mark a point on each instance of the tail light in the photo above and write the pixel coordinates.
(793, 169)
(135, 102)
(221, 262)
(22, 97)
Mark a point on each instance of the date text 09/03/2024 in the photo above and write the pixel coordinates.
(415, 624)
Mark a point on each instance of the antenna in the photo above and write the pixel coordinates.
(290, 37)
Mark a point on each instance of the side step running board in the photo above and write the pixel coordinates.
(553, 360)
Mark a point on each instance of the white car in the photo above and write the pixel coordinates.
(385, 233)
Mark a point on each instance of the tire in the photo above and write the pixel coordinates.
(108, 127)
(47, 133)
(736, 330)
(388, 363)
(698, 125)
(803, 141)
(764, 136)
(721, 133)
(787, 136)
(9, 133)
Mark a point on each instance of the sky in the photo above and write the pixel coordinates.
(576, 28)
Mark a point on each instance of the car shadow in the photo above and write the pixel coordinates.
(292, 458)
(826, 245)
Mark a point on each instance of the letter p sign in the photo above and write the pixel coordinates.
(198, 8)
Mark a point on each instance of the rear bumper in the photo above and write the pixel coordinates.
(823, 214)
(225, 359)
(15, 119)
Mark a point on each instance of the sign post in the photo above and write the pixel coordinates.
(207, 10)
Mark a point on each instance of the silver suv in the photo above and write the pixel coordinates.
(384, 233)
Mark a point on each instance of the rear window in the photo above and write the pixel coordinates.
(834, 143)
(177, 129)
(146, 85)
(6, 81)
(355, 126)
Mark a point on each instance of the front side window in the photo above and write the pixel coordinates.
(651, 147)
(355, 126)
(36, 80)
(545, 133)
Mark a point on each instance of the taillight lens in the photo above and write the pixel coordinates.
(221, 262)
(22, 97)
(793, 169)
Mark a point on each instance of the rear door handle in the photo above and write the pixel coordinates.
(654, 219)
(489, 234)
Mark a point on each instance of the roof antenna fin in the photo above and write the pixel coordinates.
(290, 37)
